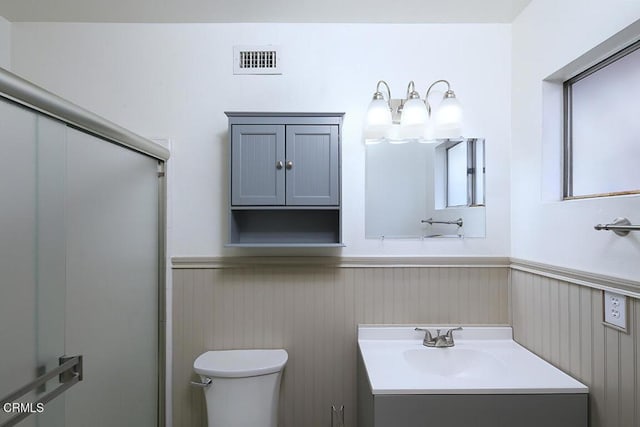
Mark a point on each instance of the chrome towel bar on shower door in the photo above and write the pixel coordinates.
(620, 226)
(69, 372)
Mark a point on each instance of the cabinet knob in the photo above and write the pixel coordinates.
(289, 165)
(279, 164)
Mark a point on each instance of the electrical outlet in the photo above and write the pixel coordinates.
(615, 310)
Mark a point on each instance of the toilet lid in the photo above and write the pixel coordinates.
(240, 363)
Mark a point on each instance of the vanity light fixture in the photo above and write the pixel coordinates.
(402, 120)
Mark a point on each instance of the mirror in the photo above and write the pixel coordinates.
(416, 190)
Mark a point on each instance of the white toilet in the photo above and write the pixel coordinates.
(243, 386)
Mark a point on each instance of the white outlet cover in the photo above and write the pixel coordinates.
(615, 310)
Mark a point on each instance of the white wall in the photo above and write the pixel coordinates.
(175, 81)
(547, 36)
(5, 43)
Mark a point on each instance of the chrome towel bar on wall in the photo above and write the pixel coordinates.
(431, 221)
(620, 226)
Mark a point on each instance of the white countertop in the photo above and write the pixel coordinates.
(484, 360)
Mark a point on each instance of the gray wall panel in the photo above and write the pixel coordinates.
(313, 312)
(574, 339)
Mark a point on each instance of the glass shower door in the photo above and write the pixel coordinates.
(32, 266)
(78, 273)
(50, 264)
(112, 283)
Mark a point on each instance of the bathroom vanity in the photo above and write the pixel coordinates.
(485, 380)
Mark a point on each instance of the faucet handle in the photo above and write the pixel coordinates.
(427, 335)
(449, 334)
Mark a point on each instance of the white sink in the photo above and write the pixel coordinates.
(452, 362)
(484, 360)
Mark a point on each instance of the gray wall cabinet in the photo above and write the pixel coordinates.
(285, 179)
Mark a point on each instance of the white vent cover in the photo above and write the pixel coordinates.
(257, 60)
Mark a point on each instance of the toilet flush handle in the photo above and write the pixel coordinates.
(206, 383)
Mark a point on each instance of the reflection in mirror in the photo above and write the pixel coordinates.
(419, 190)
(457, 191)
(464, 163)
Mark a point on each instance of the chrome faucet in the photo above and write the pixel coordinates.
(439, 340)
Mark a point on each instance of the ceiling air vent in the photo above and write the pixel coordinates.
(257, 60)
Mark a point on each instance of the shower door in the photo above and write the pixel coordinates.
(79, 272)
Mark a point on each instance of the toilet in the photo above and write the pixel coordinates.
(241, 387)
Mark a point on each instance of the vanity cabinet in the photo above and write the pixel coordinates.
(483, 409)
(284, 179)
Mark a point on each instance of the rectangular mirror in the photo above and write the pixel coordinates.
(416, 190)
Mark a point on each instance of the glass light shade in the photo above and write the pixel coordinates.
(447, 119)
(378, 120)
(414, 112)
(413, 119)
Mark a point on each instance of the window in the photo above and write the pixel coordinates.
(465, 173)
(602, 128)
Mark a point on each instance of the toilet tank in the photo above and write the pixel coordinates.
(244, 388)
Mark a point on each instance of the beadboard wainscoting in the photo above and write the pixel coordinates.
(561, 321)
(312, 311)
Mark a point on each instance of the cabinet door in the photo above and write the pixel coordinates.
(312, 165)
(257, 165)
